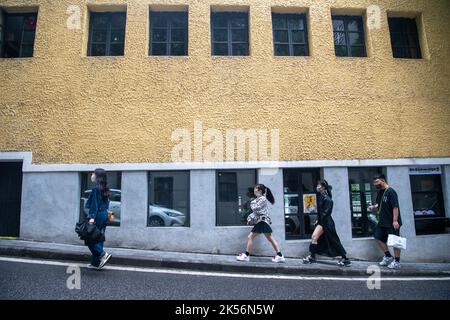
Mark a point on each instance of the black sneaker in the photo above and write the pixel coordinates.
(344, 263)
(308, 260)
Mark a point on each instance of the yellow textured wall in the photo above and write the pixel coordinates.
(69, 108)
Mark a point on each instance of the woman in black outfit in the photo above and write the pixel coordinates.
(324, 240)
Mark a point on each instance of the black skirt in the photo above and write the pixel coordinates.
(329, 243)
(262, 227)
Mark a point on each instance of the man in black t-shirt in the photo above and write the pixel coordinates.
(389, 222)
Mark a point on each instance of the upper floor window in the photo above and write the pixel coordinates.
(17, 33)
(168, 33)
(349, 38)
(106, 34)
(290, 36)
(229, 33)
(404, 38)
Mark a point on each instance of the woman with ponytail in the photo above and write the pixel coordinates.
(98, 204)
(325, 240)
(260, 208)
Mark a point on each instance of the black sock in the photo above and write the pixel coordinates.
(247, 253)
(279, 254)
(387, 254)
(312, 250)
(344, 257)
(397, 259)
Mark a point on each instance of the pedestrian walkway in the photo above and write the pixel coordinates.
(212, 262)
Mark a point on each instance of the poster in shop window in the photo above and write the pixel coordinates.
(309, 203)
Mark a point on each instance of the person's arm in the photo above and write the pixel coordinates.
(327, 207)
(395, 207)
(93, 208)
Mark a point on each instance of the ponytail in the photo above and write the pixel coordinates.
(266, 192)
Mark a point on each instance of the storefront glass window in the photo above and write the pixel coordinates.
(114, 184)
(168, 199)
(428, 203)
(234, 191)
(300, 202)
(362, 195)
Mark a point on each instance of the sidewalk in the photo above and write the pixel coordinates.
(211, 262)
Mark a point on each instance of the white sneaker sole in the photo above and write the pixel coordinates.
(102, 264)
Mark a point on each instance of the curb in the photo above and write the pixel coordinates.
(237, 267)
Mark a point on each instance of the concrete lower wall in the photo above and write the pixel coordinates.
(50, 209)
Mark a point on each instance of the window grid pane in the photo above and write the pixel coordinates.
(229, 33)
(107, 34)
(289, 30)
(169, 32)
(349, 39)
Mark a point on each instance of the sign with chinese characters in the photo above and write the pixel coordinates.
(419, 170)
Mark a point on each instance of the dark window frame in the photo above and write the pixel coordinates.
(295, 175)
(22, 43)
(405, 36)
(434, 224)
(229, 16)
(108, 30)
(187, 222)
(169, 17)
(346, 19)
(236, 171)
(85, 187)
(301, 17)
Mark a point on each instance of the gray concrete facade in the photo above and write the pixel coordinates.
(51, 204)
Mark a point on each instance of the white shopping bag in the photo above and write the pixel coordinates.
(396, 242)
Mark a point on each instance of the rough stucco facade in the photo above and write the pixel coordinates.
(325, 107)
(62, 113)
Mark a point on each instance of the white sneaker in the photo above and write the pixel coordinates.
(104, 260)
(386, 261)
(278, 259)
(394, 265)
(243, 257)
(90, 266)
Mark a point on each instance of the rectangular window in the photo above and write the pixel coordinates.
(349, 40)
(404, 38)
(107, 34)
(362, 195)
(229, 33)
(2, 32)
(114, 179)
(168, 33)
(428, 202)
(290, 35)
(168, 196)
(17, 34)
(300, 202)
(234, 191)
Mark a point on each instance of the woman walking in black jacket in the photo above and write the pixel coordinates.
(98, 204)
(324, 240)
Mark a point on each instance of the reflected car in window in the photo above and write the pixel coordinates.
(159, 216)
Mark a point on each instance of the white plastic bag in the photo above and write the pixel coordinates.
(396, 242)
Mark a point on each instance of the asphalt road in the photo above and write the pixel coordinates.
(29, 279)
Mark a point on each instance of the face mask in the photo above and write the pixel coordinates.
(258, 193)
(93, 178)
(318, 188)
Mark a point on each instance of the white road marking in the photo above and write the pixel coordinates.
(222, 274)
